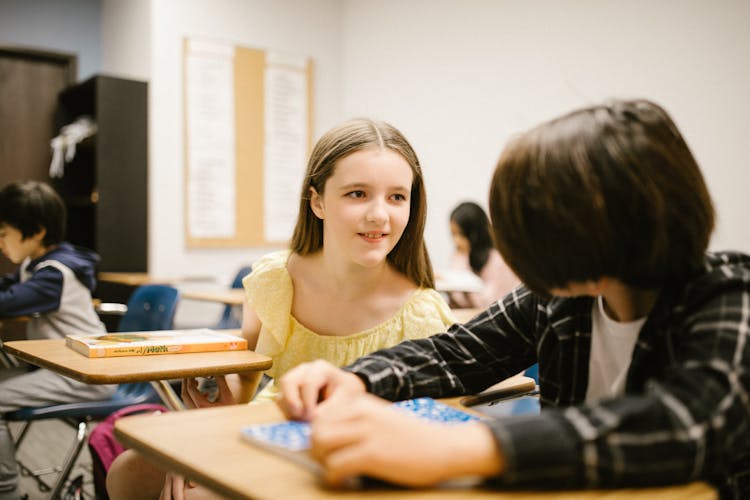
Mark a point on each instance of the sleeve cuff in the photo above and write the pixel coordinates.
(374, 374)
(540, 451)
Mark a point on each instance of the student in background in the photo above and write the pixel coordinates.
(642, 338)
(53, 287)
(475, 253)
(357, 277)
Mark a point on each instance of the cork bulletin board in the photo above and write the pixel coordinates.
(248, 131)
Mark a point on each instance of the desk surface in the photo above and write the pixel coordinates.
(453, 280)
(55, 356)
(229, 296)
(14, 319)
(236, 297)
(137, 279)
(206, 446)
(464, 315)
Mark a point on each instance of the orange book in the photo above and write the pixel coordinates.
(159, 342)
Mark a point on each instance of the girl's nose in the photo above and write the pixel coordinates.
(376, 212)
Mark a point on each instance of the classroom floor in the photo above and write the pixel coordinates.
(45, 446)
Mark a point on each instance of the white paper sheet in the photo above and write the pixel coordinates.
(210, 137)
(286, 136)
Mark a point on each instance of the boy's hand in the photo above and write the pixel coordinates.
(192, 397)
(366, 436)
(302, 388)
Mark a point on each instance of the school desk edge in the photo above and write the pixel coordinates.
(54, 355)
(189, 442)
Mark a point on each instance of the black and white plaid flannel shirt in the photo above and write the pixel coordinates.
(685, 414)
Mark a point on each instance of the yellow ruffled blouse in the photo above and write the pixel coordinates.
(269, 292)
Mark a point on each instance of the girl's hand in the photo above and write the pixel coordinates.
(175, 487)
(302, 388)
(192, 397)
(367, 436)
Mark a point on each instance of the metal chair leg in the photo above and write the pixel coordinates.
(70, 460)
(22, 434)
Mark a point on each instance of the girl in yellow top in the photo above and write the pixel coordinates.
(357, 277)
(289, 341)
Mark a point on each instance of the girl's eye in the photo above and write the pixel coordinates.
(399, 197)
(356, 194)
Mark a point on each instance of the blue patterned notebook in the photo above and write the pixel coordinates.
(295, 436)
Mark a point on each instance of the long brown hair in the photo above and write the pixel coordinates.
(409, 256)
(611, 190)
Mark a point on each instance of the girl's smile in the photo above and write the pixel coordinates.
(373, 237)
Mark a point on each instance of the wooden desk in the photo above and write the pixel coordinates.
(206, 446)
(54, 355)
(11, 328)
(237, 297)
(452, 280)
(464, 315)
(138, 279)
(229, 296)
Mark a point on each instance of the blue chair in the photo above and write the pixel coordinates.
(150, 307)
(232, 315)
(533, 372)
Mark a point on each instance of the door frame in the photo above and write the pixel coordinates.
(30, 54)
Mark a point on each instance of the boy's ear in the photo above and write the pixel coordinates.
(39, 235)
(597, 287)
(316, 204)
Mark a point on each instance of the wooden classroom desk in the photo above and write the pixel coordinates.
(452, 280)
(12, 321)
(206, 446)
(138, 279)
(464, 315)
(54, 355)
(228, 296)
(237, 297)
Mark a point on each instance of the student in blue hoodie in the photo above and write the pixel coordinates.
(52, 286)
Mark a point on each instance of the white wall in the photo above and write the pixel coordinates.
(458, 78)
(126, 40)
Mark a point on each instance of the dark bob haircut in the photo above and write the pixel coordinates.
(611, 190)
(30, 206)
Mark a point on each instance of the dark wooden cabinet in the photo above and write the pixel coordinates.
(105, 186)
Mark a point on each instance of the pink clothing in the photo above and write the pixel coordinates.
(497, 277)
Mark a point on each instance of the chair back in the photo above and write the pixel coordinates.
(244, 271)
(150, 308)
(533, 372)
(228, 319)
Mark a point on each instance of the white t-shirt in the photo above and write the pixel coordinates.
(612, 345)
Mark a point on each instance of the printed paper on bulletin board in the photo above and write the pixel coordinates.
(248, 129)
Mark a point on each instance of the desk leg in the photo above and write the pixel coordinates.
(6, 360)
(167, 395)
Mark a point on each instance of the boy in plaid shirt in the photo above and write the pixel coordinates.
(642, 338)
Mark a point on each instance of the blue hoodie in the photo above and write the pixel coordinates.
(55, 290)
